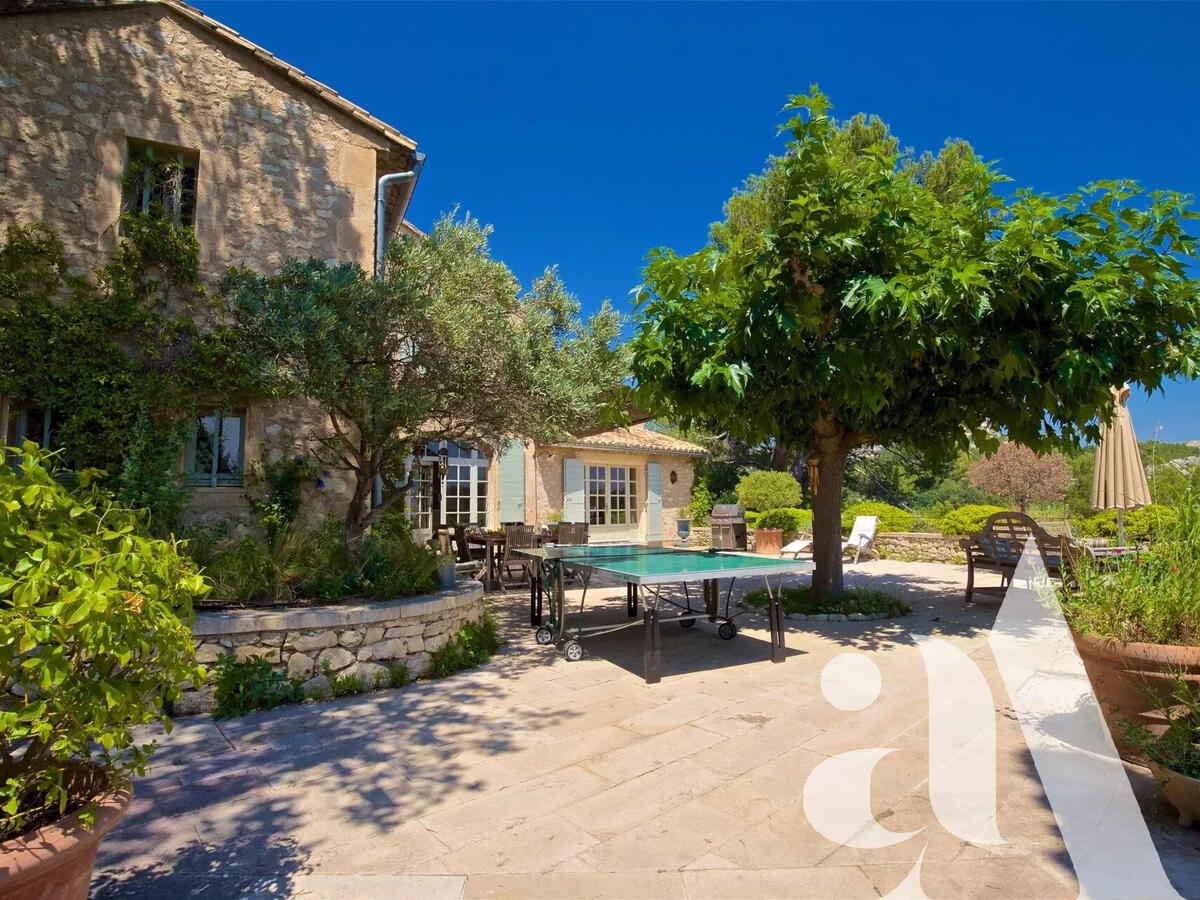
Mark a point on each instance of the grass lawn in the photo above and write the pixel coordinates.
(863, 600)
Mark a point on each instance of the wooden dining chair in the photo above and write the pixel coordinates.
(518, 537)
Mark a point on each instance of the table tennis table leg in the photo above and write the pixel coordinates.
(653, 647)
(712, 596)
(778, 649)
(631, 599)
(535, 595)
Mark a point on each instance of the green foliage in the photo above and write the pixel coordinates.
(701, 504)
(398, 674)
(244, 686)
(150, 478)
(471, 646)
(864, 600)
(444, 345)
(341, 685)
(789, 520)
(1153, 596)
(761, 490)
(1177, 746)
(967, 519)
(397, 566)
(894, 475)
(857, 295)
(1145, 524)
(276, 491)
(128, 341)
(94, 637)
(891, 518)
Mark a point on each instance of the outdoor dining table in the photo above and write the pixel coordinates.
(493, 554)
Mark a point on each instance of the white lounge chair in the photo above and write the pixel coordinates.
(862, 536)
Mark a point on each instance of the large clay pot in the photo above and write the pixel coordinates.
(768, 541)
(1182, 792)
(1118, 670)
(55, 861)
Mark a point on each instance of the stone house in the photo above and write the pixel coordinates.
(274, 165)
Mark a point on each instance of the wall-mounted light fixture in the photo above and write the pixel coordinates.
(443, 456)
(674, 476)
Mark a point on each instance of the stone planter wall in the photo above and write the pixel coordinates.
(355, 639)
(918, 546)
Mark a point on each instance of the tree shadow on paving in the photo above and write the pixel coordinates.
(209, 870)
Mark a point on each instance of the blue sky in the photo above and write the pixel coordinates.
(589, 133)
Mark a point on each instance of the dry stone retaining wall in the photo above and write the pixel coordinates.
(916, 546)
(354, 639)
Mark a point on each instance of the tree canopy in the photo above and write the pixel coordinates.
(445, 345)
(857, 294)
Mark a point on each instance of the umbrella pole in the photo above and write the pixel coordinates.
(1120, 527)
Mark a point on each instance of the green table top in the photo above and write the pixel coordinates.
(642, 564)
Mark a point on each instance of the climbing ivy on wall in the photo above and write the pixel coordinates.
(120, 355)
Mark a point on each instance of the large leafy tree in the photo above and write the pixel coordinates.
(445, 345)
(858, 295)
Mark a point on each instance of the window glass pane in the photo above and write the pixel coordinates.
(229, 459)
(202, 454)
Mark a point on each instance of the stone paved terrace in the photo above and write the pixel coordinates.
(536, 777)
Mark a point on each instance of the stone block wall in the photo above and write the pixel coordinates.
(917, 546)
(354, 639)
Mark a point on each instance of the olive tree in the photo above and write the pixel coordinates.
(445, 345)
(857, 295)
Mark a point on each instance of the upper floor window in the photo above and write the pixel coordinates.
(216, 450)
(160, 182)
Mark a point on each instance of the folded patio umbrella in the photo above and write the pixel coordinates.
(1119, 479)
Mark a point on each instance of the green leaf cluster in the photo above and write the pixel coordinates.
(967, 519)
(789, 520)
(761, 490)
(246, 685)
(891, 518)
(94, 637)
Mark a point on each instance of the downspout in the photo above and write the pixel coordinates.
(410, 178)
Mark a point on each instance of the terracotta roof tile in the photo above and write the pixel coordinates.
(639, 438)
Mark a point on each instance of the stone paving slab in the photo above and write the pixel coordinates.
(535, 777)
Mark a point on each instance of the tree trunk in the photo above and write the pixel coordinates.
(781, 457)
(831, 446)
(358, 513)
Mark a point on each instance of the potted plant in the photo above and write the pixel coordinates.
(776, 525)
(1170, 749)
(1136, 621)
(94, 639)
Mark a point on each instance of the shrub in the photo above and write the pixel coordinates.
(787, 520)
(891, 518)
(243, 686)
(864, 600)
(1152, 596)
(276, 492)
(473, 645)
(761, 489)
(702, 502)
(150, 478)
(397, 566)
(967, 519)
(1145, 524)
(94, 627)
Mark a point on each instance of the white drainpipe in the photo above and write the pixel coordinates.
(410, 177)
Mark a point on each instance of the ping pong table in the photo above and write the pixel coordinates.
(645, 571)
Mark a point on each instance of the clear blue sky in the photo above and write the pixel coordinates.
(589, 133)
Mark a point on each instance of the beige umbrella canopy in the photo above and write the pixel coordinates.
(1119, 479)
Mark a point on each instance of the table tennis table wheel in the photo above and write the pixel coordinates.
(686, 623)
(727, 631)
(544, 635)
(573, 650)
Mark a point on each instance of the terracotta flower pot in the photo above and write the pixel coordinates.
(1119, 671)
(768, 541)
(1182, 792)
(56, 861)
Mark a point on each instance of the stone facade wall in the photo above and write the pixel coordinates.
(920, 547)
(281, 172)
(355, 639)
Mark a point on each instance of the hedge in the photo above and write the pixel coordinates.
(789, 520)
(1140, 524)
(891, 518)
(762, 490)
(967, 519)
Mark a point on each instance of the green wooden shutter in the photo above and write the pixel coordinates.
(512, 483)
(654, 509)
(573, 505)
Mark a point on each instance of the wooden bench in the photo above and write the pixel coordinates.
(998, 548)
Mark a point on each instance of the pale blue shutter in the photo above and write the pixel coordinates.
(654, 511)
(573, 506)
(512, 483)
